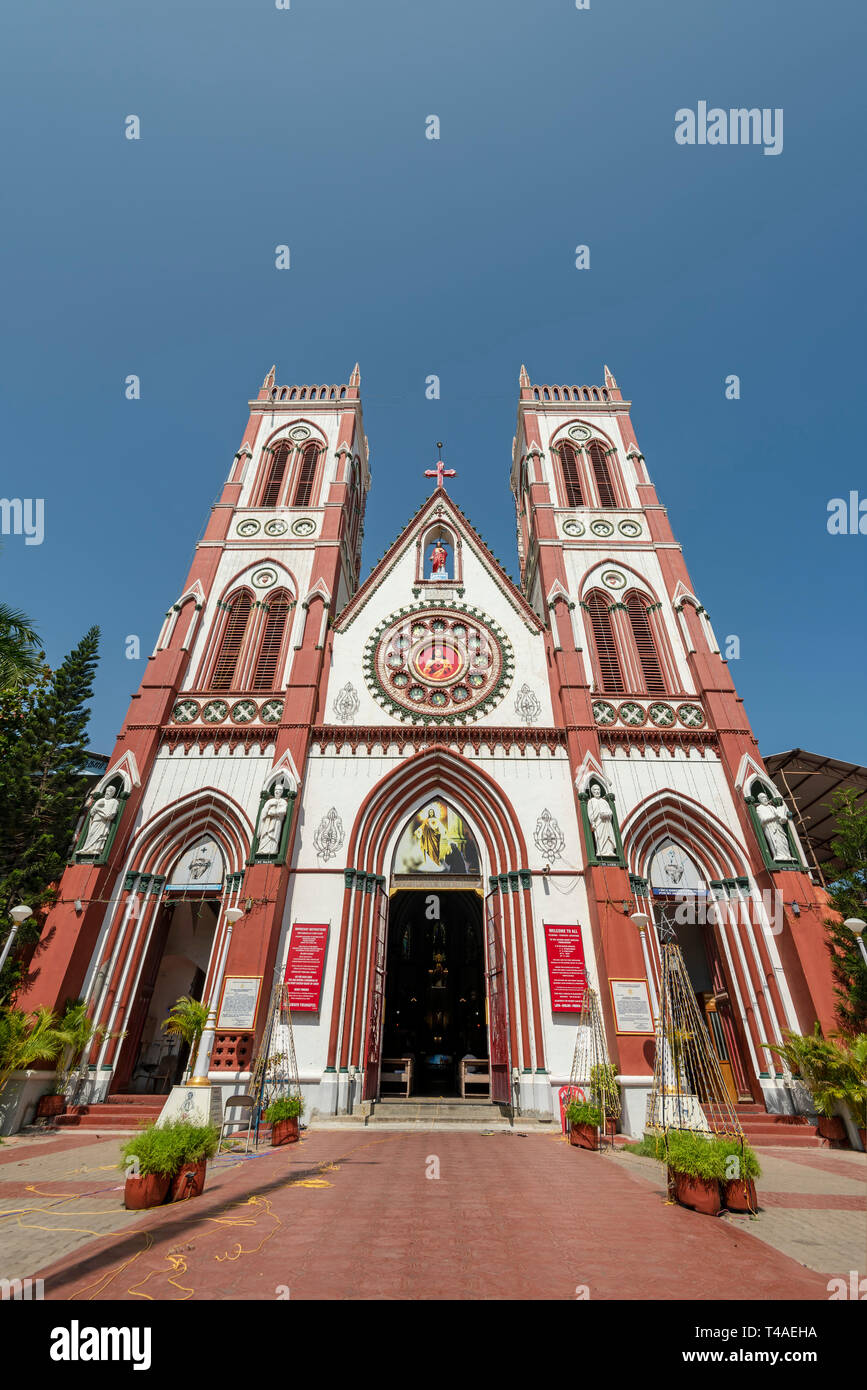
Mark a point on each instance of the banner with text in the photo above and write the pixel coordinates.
(567, 973)
(305, 965)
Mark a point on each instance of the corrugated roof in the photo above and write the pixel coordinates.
(808, 781)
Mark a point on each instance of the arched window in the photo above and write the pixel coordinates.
(606, 647)
(231, 642)
(273, 484)
(571, 475)
(654, 681)
(273, 638)
(604, 485)
(306, 475)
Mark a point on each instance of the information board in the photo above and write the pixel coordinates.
(632, 1012)
(567, 973)
(305, 966)
(238, 1004)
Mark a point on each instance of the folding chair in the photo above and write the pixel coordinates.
(244, 1104)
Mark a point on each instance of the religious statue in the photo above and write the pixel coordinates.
(438, 559)
(102, 817)
(271, 823)
(601, 817)
(773, 821)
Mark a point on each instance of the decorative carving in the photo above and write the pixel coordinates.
(527, 705)
(329, 835)
(548, 837)
(346, 703)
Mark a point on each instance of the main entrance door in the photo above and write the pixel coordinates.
(435, 1015)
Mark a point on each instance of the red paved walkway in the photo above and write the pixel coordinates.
(348, 1215)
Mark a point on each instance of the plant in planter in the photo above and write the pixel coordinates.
(584, 1121)
(28, 1038)
(187, 1020)
(739, 1189)
(605, 1092)
(169, 1162)
(696, 1164)
(827, 1068)
(283, 1116)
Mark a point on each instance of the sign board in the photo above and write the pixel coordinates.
(237, 1012)
(305, 965)
(567, 973)
(632, 1012)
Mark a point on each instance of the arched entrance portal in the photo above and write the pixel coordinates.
(435, 1007)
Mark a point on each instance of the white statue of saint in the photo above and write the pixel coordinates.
(773, 820)
(102, 814)
(601, 818)
(271, 823)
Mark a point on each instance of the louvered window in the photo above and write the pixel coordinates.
(606, 647)
(231, 643)
(571, 476)
(645, 645)
(274, 481)
(265, 674)
(604, 485)
(306, 475)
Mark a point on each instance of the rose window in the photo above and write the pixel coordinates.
(438, 664)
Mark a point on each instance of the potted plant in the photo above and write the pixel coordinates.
(584, 1121)
(605, 1091)
(696, 1166)
(28, 1038)
(739, 1191)
(283, 1116)
(825, 1067)
(78, 1030)
(187, 1020)
(169, 1162)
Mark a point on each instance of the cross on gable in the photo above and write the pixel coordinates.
(440, 471)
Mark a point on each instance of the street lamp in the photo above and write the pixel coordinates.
(20, 914)
(202, 1063)
(857, 928)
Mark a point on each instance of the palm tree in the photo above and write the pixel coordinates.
(27, 1038)
(20, 657)
(187, 1020)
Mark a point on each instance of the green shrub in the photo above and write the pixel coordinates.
(581, 1112)
(698, 1155)
(286, 1108)
(166, 1148)
(735, 1148)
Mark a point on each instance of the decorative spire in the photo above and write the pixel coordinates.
(269, 380)
(524, 378)
(355, 379)
(609, 379)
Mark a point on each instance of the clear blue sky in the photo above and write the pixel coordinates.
(306, 127)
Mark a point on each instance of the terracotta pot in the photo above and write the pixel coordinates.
(697, 1193)
(146, 1191)
(584, 1136)
(739, 1194)
(189, 1181)
(831, 1127)
(50, 1105)
(284, 1132)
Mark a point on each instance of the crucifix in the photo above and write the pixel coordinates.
(440, 471)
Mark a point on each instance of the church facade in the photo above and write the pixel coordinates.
(443, 804)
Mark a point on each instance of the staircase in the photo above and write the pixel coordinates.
(116, 1115)
(763, 1130)
(438, 1110)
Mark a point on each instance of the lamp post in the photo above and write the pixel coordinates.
(203, 1056)
(20, 914)
(857, 928)
(642, 922)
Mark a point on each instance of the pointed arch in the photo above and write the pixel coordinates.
(305, 475)
(271, 642)
(608, 665)
(230, 642)
(645, 643)
(602, 477)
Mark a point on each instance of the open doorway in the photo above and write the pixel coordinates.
(435, 1017)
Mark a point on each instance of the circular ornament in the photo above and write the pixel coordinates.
(442, 661)
(215, 711)
(661, 714)
(629, 528)
(579, 432)
(299, 432)
(263, 579)
(690, 715)
(602, 528)
(243, 711)
(271, 712)
(185, 711)
(604, 713)
(631, 713)
(249, 527)
(573, 528)
(614, 579)
(304, 526)
(277, 527)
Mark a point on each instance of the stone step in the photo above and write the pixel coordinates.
(429, 1110)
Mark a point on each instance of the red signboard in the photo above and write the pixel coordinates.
(304, 966)
(567, 972)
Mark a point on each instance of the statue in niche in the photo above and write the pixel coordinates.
(600, 814)
(102, 817)
(774, 822)
(271, 823)
(439, 557)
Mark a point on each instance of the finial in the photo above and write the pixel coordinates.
(440, 471)
(355, 379)
(524, 378)
(609, 379)
(269, 380)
